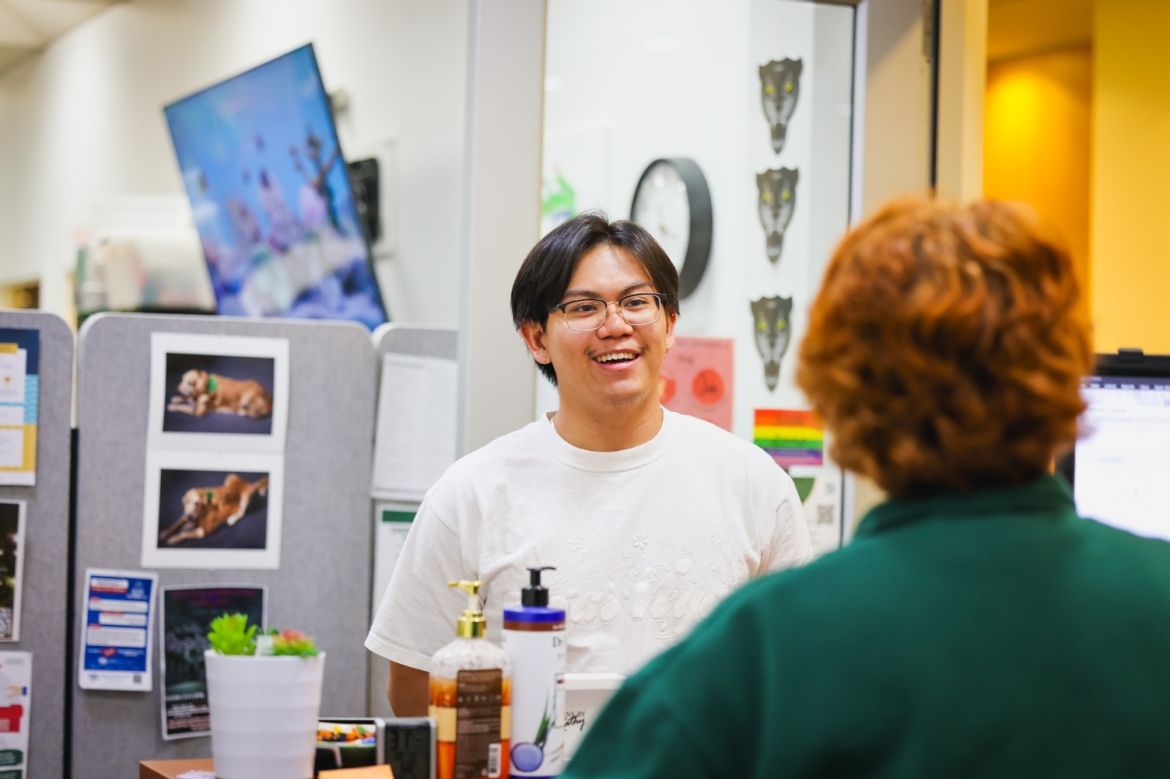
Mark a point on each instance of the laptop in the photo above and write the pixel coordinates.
(1120, 467)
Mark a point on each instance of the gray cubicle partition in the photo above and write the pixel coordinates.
(323, 583)
(46, 540)
(393, 338)
(417, 341)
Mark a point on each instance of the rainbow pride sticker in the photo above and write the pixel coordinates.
(790, 437)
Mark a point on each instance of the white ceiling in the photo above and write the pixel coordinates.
(27, 26)
(1015, 27)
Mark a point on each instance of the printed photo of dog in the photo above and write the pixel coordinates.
(212, 393)
(201, 392)
(11, 556)
(212, 509)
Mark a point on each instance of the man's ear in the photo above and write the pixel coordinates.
(533, 335)
(670, 323)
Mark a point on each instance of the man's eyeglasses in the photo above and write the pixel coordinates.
(588, 314)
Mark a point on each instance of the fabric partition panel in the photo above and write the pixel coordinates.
(44, 589)
(322, 584)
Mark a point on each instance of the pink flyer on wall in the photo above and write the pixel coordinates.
(696, 378)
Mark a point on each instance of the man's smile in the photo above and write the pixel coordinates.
(616, 357)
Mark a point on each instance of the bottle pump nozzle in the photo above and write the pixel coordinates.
(535, 594)
(471, 623)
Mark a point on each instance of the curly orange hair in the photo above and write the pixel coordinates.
(945, 349)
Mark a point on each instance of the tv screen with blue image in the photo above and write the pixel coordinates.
(271, 196)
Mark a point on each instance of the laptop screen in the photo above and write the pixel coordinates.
(1121, 467)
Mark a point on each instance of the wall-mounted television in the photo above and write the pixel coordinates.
(271, 195)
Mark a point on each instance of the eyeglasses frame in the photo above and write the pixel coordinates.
(660, 304)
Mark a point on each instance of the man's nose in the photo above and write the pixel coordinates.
(614, 310)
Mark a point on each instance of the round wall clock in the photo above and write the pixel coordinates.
(673, 203)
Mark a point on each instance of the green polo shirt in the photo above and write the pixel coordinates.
(988, 634)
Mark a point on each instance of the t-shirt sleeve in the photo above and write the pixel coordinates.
(418, 610)
(789, 544)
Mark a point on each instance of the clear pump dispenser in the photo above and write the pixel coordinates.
(471, 697)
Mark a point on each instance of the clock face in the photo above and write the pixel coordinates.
(662, 207)
(673, 203)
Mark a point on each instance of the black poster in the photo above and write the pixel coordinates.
(187, 613)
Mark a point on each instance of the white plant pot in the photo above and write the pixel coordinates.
(263, 714)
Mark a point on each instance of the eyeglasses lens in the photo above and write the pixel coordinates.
(636, 310)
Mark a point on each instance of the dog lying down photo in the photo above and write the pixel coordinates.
(202, 391)
(207, 509)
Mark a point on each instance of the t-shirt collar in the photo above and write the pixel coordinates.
(621, 460)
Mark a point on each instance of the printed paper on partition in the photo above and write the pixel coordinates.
(12, 535)
(185, 615)
(417, 408)
(205, 510)
(117, 616)
(19, 397)
(218, 393)
(15, 704)
(696, 378)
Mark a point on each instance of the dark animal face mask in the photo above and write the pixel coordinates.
(770, 317)
(779, 90)
(777, 201)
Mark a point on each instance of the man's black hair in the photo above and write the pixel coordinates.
(546, 271)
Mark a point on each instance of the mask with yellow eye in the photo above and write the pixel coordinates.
(779, 91)
(777, 202)
(772, 334)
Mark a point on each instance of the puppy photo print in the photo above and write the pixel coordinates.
(218, 392)
(215, 451)
(208, 511)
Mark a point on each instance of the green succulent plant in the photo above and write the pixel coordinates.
(231, 634)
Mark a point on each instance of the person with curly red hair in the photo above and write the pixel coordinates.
(976, 625)
(946, 348)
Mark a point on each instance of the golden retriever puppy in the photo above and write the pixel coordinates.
(207, 509)
(201, 391)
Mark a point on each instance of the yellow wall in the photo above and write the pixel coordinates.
(1130, 195)
(1036, 140)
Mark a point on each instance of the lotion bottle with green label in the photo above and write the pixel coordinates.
(534, 638)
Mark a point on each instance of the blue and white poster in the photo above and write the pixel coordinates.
(117, 615)
(19, 392)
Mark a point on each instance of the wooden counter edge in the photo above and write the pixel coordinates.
(169, 769)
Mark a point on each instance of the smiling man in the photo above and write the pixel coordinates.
(649, 517)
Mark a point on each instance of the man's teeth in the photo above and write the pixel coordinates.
(616, 357)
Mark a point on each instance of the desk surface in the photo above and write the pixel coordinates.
(169, 769)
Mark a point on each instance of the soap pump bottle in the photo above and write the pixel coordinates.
(471, 697)
(534, 638)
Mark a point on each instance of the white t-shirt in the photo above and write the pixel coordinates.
(645, 540)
